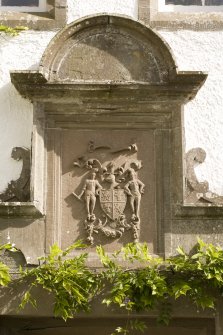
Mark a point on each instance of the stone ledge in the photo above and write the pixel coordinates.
(150, 15)
(19, 209)
(32, 85)
(201, 211)
(54, 17)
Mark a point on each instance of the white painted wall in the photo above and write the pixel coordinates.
(193, 51)
(203, 51)
(80, 8)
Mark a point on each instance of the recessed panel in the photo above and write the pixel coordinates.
(108, 187)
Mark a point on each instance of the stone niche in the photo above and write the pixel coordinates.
(107, 138)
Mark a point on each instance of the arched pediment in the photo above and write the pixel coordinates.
(107, 48)
(108, 56)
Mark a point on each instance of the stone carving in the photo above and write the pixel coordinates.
(131, 148)
(91, 190)
(92, 147)
(134, 188)
(198, 192)
(111, 185)
(19, 190)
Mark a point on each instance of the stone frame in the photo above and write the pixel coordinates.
(162, 138)
(54, 17)
(149, 14)
(58, 105)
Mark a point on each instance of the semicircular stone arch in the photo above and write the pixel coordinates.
(108, 48)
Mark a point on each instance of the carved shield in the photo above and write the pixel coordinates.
(113, 202)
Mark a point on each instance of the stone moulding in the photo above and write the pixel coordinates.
(38, 89)
(204, 211)
(19, 209)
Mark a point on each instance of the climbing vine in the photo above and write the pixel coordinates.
(5, 277)
(12, 31)
(145, 283)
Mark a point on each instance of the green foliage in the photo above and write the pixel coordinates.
(4, 270)
(131, 325)
(72, 283)
(4, 275)
(144, 283)
(12, 31)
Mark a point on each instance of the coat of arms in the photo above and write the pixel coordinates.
(113, 202)
(113, 187)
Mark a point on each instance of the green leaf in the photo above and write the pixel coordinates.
(27, 298)
(205, 302)
(138, 325)
(55, 251)
(180, 288)
(4, 275)
(181, 251)
(77, 245)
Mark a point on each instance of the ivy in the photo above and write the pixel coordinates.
(71, 282)
(145, 283)
(5, 277)
(12, 31)
(130, 326)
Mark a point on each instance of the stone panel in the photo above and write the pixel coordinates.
(111, 146)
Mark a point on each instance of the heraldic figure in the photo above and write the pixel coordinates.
(134, 188)
(90, 190)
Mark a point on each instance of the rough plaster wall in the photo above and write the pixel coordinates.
(80, 8)
(202, 51)
(193, 51)
(16, 53)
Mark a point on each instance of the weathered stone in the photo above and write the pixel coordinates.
(198, 192)
(54, 17)
(13, 260)
(19, 190)
(19, 209)
(150, 14)
(26, 232)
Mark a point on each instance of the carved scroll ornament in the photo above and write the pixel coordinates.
(19, 190)
(196, 191)
(111, 185)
